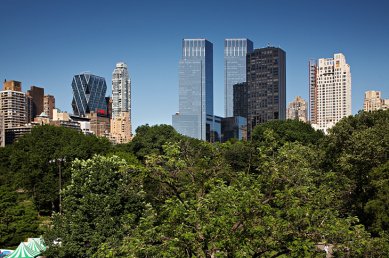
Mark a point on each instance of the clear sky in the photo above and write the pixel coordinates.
(46, 42)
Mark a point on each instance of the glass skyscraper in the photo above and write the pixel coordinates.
(195, 89)
(89, 94)
(121, 90)
(235, 51)
(266, 86)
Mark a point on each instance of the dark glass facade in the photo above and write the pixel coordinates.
(234, 128)
(195, 89)
(266, 86)
(235, 51)
(89, 95)
(240, 100)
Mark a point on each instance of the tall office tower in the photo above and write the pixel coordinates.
(13, 105)
(195, 116)
(121, 90)
(266, 86)
(89, 94)
(297, 109)
(240, 100)
(329, 90)
(36, 94)
(235, 51)
(121, 128)
(48, 105)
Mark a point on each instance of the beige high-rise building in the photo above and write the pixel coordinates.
(13, 105)
(373, 101)
(48, 105)
(121, 128)
(297, 109)
(329, 91)
(2, 131)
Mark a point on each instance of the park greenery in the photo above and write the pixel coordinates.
(288, 192)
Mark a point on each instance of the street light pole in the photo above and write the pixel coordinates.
(59, 161)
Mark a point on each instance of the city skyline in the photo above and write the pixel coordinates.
(48, 49)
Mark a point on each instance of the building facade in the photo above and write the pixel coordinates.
(48, 105)
(89, 94)
(195, 89)
(13, 105)
(121, 128)
(240, 100)
(297, 109)
(266, 86)
(234, 128)
(35, 107)
(121, 90)
(235, 51)
(2, 131)
(329, 91)
(373, 101)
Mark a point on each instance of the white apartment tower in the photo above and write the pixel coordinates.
(121, 129)
(121, 90)
(329, 91)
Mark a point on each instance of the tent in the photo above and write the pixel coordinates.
(41, 243)
(33, 245)
(23, 251)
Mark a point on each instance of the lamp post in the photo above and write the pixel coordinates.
(59, 161)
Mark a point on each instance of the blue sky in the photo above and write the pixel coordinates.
(45, 43)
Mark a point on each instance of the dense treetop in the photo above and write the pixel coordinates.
(289, 192)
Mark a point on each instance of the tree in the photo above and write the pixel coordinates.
(18, 218)
(288, 131)
(150, 139)
(30, 156)
(100, 206)
(356, 145)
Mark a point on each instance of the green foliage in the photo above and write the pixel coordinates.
(288, 131)
(99, 206)
(377, 208)
(355, 146)
(30, 155)
(150, 139)
(18, 218)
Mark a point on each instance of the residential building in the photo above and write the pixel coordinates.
(121, 128)
(14, 133)
(297, 109)
(195, 89)
(12, 85)
(48, 105)
(121, 90)
(99, 125)
(13, 105)
(266, 86)
(373, 101)
(2, 131)
(35, 107)
(89, 94)
(235, 51)
(329, 91)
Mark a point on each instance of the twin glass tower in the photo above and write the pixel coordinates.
(195, 117)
